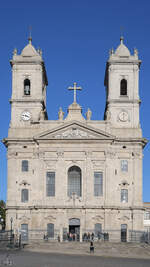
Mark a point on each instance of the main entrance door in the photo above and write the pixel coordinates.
(74, 229)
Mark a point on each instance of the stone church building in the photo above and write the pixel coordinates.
(75, 174)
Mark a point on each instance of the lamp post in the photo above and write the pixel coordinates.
(11, 221)
(1, 222)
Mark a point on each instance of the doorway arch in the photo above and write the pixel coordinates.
(74, 229)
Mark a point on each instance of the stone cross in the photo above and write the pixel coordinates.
(74, 88)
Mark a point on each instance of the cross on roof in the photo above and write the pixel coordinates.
(74, 88)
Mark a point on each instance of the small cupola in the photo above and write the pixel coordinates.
(29, 50)
(122, 50)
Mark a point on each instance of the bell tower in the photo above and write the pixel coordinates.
(29, 81)
(122, 88)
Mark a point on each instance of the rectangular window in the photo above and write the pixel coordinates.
(98, 183)
(25, 166)
(24, 195)
(50, 184)
(124, 165)
(147, 215)
(124, 195)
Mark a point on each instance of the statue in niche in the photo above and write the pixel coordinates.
(88, 114)
(60, 114)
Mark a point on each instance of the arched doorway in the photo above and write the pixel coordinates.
(74, 181)
(74, 229)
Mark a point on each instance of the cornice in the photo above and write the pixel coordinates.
(54, 207)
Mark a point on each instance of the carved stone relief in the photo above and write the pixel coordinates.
(50, 164)
(60, 153)
(110, 154)
(73, 133)
(98, 218)
(50, 218)
(24, 218)
(124, 218)
(97, 163)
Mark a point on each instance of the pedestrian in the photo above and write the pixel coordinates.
(58, 238)
(88, 236)
(92, 236)
(91, 247)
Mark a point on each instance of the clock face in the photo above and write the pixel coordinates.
(123, 116)
(26, 116)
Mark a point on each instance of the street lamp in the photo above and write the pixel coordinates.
(1, 222)
(11, 221)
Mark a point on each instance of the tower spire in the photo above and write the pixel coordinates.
(121, 39)
(121, 35)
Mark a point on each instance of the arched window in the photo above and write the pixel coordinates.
(24, 195)
(25, 166)
(74, 181)
(123, 87)
(50, 230)
(26, 87)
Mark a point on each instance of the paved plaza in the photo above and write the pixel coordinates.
(35, 259)
(106, 249)
(77, 254)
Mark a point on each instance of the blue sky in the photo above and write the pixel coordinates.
(75, 37)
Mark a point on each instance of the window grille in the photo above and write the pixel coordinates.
(24, 195)
(98, 183)
(50, 184)
(25, 165)
(123, 87)
(74, 181)
(124, 195)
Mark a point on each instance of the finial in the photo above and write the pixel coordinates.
(15, 52)
(60, 114)
(111, 51)
(121, 35)
(40, 52)
(121, 39)
(30, 35)
(135, 52)
(88, 114)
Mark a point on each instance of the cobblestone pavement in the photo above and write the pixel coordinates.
(37, 259)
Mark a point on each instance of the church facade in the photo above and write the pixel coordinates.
(75, 174)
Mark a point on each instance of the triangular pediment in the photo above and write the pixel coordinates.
(74, 130)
